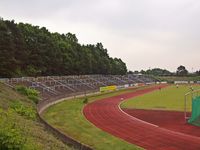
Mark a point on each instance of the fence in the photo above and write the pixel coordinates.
(191, 96)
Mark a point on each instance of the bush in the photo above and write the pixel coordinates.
(85, 101)
(21, 89)
(32, 94)
(11, 137)
(19, 108)
(35, 99)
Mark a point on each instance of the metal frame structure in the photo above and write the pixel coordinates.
(58, 85)
(189, 96)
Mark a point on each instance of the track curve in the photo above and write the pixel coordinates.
(106, 115)
(172, 120)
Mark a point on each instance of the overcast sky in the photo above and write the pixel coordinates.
(143, 33)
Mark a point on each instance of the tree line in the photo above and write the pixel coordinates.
(28, 50)
(180, 71)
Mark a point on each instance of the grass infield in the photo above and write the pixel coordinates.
(169, 98)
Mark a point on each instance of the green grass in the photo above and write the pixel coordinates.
(19, 126)
(169, 98)
(67, 117)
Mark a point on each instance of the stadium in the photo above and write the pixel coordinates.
(121, 112)
(99, 75)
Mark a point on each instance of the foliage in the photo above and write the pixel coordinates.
(32, 94)
(27, 50)
(34, 98)
(85, 100)
(23, 110)
(157, 72)
(32, 130)
(181, 71)
(171, 79)
(11, 136)
(197, 72)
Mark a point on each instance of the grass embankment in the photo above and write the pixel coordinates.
(67, 117)
(19, 125)
(169, 98)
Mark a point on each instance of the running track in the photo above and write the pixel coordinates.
(106, 115)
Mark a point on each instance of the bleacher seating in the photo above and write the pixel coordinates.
(58, 86)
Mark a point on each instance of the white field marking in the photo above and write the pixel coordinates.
(133, 118)
(164, 129)
(180, 133)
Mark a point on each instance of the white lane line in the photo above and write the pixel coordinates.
(163, 129)
(136, 119)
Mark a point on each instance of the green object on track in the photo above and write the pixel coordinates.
(195, 117)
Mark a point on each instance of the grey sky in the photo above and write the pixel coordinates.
(144, 33)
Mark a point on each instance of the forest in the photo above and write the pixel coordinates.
(28, 50)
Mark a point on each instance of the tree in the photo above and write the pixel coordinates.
(7, 51)
(156, 72)
(143, 72)
(197, 72)
(28, 50)
(131, 72)
(181, 71)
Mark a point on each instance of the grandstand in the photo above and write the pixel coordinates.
(54, 87)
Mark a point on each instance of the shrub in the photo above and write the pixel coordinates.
(85, 101)
(23, 110)
(11, 137)
(34, 98)
(21, 89)
(32, 94)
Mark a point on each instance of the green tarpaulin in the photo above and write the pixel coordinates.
(195, 117)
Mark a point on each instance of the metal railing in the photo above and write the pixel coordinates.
(189, 96)
(55, 84)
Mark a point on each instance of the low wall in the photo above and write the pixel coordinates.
(63, 137)
(44, 104)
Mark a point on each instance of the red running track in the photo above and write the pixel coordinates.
(172, 120)
(106, 115)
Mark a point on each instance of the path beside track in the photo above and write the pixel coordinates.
(106, 115)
